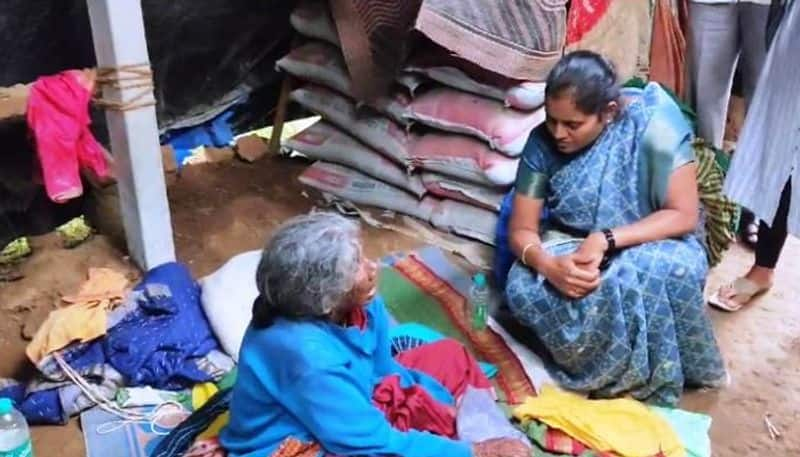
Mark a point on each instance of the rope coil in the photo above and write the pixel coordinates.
(134, 76)
(166, 411)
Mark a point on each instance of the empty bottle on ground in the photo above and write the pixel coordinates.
(15, 437)
(479, 300)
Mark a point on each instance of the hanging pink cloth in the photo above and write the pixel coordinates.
(58, 117)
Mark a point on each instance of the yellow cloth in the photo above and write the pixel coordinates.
(623, 426)
(84, 319)
(201, 393)
(216, 427)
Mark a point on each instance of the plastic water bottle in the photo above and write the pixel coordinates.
(479, 299)
(15, 437)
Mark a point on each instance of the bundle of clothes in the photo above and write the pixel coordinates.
(109, 339)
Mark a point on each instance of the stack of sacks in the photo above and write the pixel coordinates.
(451, 171)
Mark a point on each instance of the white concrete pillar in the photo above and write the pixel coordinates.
(119, 39)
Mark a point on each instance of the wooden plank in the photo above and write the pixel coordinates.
(119, 40)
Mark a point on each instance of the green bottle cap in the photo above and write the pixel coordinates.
(6, 406)
(480, 280)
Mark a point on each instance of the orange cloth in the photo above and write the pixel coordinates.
(294, 448)
(668, 49)
(85, 318)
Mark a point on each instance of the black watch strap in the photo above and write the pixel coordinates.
(612, 242)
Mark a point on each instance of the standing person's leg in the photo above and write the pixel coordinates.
(768, 250)
(752, 33)
(714, 49)
(771, 241)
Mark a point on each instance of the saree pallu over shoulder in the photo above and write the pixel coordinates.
(666, 145)
(644, 331)
(649, 140)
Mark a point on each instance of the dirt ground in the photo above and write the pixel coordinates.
(219, 210)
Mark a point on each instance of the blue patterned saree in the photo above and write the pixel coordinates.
(644, 332)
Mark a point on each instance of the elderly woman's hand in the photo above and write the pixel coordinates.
(502, 447)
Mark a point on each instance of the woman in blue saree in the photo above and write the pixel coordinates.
(612, 282)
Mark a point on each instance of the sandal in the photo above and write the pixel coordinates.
(743, 289)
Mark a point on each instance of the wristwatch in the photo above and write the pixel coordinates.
(612, 246)
(612, 242)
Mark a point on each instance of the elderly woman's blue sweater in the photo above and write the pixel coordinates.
(313, 381)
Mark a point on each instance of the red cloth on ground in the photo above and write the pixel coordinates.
(413, 408)
(58, 117)
(448, 362)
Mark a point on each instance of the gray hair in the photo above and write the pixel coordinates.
(307, 268)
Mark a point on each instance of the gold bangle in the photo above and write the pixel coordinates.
(525, 251)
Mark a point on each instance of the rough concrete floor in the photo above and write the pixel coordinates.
(223, 209)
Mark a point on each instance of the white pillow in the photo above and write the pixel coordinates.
(227, 299)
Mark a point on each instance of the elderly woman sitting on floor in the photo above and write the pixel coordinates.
(316, 364)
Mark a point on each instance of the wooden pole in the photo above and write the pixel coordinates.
(119, 39)
(280, 116)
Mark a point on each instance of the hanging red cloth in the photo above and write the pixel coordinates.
(58, 118)
(448, 362)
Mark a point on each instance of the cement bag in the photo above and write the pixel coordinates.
(506, 130)
(465, 220)
(445, 187)
(376, 131)
(463, 157)
(313, 19)
(356, 187)
(395, 107)
(227, 299)
(526, 96)
(325, 142)
(457, 79)
(323, 64)
(350, 185)
(410, 81)
(319, 63)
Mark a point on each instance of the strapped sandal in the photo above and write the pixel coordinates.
(743, 289)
